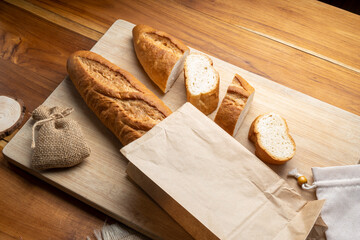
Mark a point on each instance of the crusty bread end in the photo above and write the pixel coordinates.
(161, 55)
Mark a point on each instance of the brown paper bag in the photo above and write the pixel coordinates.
(212, 185)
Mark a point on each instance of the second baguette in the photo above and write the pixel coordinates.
(120, 101)
(160, 54)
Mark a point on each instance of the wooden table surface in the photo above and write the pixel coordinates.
(306, 45)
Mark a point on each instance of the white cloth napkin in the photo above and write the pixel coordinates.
(340, 186)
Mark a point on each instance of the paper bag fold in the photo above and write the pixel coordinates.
(212, 185)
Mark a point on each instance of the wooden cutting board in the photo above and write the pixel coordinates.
(325, 136)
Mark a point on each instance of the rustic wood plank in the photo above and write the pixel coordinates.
(33, 54)
(2, 144)
(286, 65)
(32, 208)
(311, 26)
(58, 19)
(20, 82)
(271, 60)
(5, 236)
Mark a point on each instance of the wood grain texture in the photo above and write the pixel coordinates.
(45, 31)
(311, 26)
(59, 19)
(294, 68)
(101, 180)
(33, 54)
(32, 209)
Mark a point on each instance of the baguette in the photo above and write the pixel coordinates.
(201, 82)
(273, 143)
(120, 101)
(235, 105)
(161, 55)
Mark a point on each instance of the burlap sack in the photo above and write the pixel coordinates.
(59, 142)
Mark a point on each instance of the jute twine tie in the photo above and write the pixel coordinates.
(52, 117)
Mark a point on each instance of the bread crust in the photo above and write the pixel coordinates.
(158, 61)
(120, 101)
(260, 150)
(205, 102)
(233, 104)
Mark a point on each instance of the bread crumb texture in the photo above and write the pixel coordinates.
(202, 76)
(274, 136)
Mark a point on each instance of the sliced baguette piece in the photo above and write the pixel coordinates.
(235, 105)
(201, 82)
(120, 101)
(273, 143)
(161, 55)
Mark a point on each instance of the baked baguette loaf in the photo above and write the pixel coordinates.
(160, 54)
(120, 101)
(235, 105)
(201, 82)
(273, 143)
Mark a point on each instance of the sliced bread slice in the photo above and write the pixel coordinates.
(273, 143)
(201, 82)
(161, 55)
(235, 105)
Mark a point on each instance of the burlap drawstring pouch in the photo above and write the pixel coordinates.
(59, 142)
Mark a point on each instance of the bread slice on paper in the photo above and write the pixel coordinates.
(212, 185)
(235, 105)
(202, 82)
(161, 55)
(270, 134)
